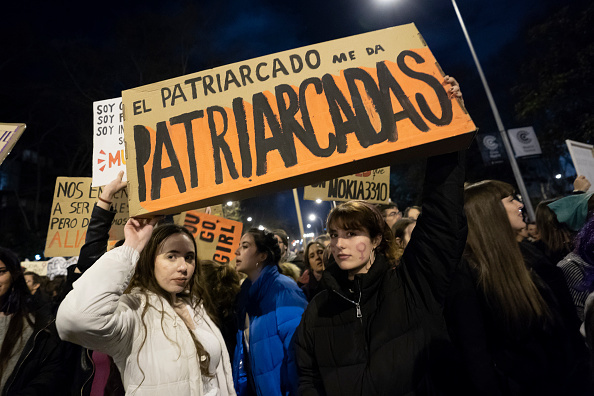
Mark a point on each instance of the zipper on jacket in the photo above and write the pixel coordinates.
(357, 304)
(16, 372)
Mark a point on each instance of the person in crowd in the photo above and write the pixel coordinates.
(283, 243)
(314, 252)
(578, 267)
(533, 231)
(557, 238)
(95, 372)
(522, 235)
(222, 282)
(514, 331)
(291, 270)
(378, 328)
(324, 239)
(33, 360)
(390, 213)
(559, 219)
(402, 231)
(270, 306)
(33, 281)
(53, 288)
(40, 300)
(144, 305)
(412, 212)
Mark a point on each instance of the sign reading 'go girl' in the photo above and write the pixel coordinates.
(293, 118)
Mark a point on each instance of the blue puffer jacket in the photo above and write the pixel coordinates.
(275, 305)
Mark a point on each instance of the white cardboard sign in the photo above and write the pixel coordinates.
(108, 141)
(582, 155)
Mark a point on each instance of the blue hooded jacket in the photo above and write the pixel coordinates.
(274, 304)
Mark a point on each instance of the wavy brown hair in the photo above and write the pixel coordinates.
(144, 280)
(491, 249)
(556, 236)
(360, 215)
(222, 282)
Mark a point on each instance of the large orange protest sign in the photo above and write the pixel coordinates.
(74, 199)
(217, 238)
(288, 119)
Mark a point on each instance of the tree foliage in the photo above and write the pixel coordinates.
(554, 88)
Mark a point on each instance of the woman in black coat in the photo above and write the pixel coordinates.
(510, 316)
(33, 360)
(378, 327)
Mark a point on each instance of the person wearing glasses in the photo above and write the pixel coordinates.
(390, 213)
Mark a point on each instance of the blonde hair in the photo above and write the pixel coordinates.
(290, 270)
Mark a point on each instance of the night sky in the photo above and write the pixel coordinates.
(57, 60)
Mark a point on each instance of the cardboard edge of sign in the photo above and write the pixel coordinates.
(18, 132)
(448, 145)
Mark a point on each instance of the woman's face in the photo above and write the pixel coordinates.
(513, 208)
(248, 260)
(414, 213)
(5, 279)
(175, 263)
(352, 249)
(314, 255)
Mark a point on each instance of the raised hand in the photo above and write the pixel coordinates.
(138, 231)
(106, 197)
(581, 184)
(454, 89)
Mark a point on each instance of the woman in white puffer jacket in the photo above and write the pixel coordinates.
(146, 307)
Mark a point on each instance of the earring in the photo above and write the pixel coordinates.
(257, 264)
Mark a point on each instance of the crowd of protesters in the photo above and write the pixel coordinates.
(456, 296)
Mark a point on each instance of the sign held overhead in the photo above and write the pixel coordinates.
(108, 141)
(371, 186)
(288, 119)
(74, 199)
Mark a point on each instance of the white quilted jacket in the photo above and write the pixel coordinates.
(97, 315)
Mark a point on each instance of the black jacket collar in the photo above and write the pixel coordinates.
(336, 279)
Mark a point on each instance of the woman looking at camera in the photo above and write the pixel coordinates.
(377, 328)
(144, 305)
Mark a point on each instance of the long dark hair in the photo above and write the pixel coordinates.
(556, 236)
(360, 215)
(144, 279)
(492, 249)
(15, 302)
(268, 244)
